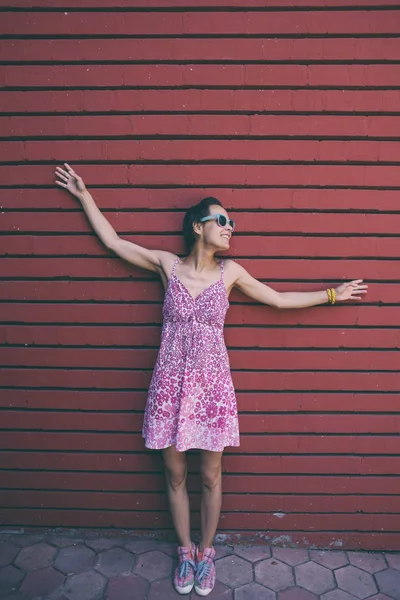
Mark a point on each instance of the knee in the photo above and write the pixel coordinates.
(211, 478)
(176, 478)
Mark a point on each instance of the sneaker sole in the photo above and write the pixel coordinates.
(201, 592)
(184, 590)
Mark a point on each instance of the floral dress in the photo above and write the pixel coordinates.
(191, 401)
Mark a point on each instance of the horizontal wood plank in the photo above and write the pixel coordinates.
(68, 313)
(241, 246)
(128, 336)
(203, 75)
(171, 222)
(176, 23)
(270, 199)
(249, 423)
(250, 444)
(203, 175)
(210, 151)
(271, 402)
(248, 359)
(186, 49)
(231, 502)
(99, 102)
(192, 4)
(155, 482)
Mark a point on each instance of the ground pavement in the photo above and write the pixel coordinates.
(74, 565)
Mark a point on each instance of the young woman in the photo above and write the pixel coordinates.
(191, 401)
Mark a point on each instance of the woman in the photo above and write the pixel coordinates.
(191, 401)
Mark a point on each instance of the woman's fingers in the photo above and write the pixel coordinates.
(64, 185)
(70, 170)
(63, 177)
(61, 172)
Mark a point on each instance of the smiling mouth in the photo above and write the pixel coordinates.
(225, 235)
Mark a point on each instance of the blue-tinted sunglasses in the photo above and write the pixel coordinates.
(221, 220)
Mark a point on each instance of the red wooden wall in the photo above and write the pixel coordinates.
(289, 112)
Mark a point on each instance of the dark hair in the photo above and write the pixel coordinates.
(193, 215)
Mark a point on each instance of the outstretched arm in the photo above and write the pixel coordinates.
(352, 290)
(152, 260)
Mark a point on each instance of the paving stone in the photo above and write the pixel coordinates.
(291, 556)
(56, 595)
(221, 550)
(74, 559)
(163, 590)
(234, 571)
(64, 542)
(367, 561)
(274, 574)
(28, 539)
(377, 597)
(331, 559)
(220, 592)
(138, 547)
(356, 582)
(393, 561)
(41, 582)
(10, 578)
(314, 577)
(130, 587)
(153, 565)
(253, 591)
(338, 595)
(253, 553)
(114, 562)
(84, 586)
(8, 551)
(296, 593)
(14, 596)
(389, 582)
(101, 544)
(35, 557)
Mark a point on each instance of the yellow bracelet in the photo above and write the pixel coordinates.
(331, 295)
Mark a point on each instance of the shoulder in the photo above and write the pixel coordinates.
(166, 262)
(233, 272)
(232, 267)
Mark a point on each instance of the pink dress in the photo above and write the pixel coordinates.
(191, 401)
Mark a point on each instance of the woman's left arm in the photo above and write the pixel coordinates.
(351, 290)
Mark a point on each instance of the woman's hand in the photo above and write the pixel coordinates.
(348, 290)
(70, 181)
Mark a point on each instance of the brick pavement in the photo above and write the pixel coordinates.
(59, 565)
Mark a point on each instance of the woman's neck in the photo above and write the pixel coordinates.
(201, 259)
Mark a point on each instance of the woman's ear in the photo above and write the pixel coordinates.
(197, 228)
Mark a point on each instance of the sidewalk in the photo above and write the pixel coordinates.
(61, 565)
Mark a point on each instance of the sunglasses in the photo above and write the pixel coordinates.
(221, 220)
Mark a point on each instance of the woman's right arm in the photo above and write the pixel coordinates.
(152, 260)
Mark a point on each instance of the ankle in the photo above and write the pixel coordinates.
(186, 544)
(203, 547)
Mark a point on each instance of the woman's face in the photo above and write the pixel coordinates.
(215, 235)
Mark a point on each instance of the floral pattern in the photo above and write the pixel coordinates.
(191, 401)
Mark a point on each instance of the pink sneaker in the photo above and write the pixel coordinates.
(204, 580)
(184, 572)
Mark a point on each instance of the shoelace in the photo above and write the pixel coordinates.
(203, 569)
(183, 571)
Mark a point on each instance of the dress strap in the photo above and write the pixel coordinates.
(222, 270)
(174, 267)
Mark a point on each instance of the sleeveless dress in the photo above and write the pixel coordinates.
(191, 401)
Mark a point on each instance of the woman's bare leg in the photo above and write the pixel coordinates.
(211, 499)
(175, 472)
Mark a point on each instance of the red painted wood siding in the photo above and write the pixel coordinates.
(289, 113)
